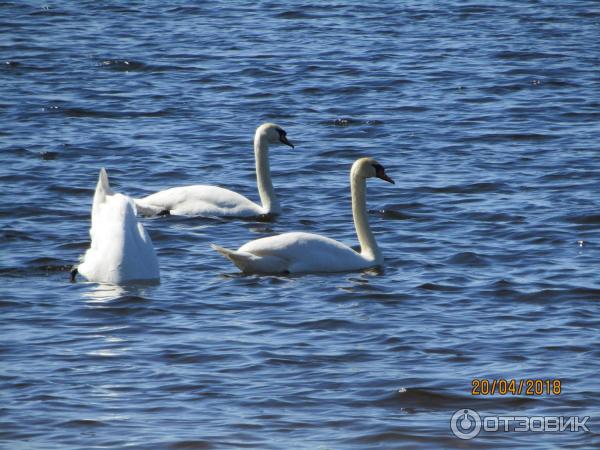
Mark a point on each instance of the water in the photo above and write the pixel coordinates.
(487, 116)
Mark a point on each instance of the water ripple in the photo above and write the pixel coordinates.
(484, 114)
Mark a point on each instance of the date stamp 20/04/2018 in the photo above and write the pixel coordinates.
(524, 386)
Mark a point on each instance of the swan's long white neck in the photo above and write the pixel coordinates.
(269, 200)
(368, 247)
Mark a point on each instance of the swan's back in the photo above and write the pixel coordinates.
(121, 251)
(307, 252)
(201, 200)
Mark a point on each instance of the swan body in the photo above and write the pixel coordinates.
(295, 252)
(121, 251)
(199, 200)
(210, 201)
(299, 252)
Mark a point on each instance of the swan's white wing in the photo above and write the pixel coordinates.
(121, 251)
(298, 253)
(199, 200)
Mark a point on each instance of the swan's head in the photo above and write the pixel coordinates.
(369, 168)
(274, 134)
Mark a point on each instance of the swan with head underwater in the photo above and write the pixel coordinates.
(299, 252)
(214, 201)
(121, 251)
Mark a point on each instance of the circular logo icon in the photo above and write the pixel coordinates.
(465, 424)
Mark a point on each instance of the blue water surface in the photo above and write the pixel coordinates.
(487, 115)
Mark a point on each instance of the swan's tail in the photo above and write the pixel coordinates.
(249, 263)
(240, 259)
(103, 187)
(103, 190)
(146, 210)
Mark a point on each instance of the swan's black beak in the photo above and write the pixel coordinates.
(284, 140)
(383, 176)
(380, 173)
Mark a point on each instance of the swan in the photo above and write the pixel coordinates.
(299, 252)
(121, 251)
(203, 200)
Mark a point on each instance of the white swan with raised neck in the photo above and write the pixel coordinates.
(215, 201)
(300, 252)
